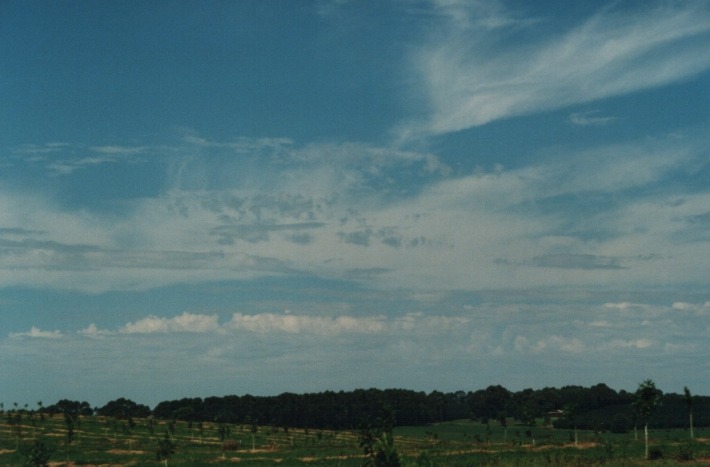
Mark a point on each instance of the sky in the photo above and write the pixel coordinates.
(257, 197)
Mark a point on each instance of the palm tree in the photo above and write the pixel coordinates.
(689, 403)
(647, 398)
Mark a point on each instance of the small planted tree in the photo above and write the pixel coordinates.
(151, 425)
(377, 442)
(570, 412)
(15, 419)
(689, 403)
(69, 422)
(200, 429)
(38, 455)
(171, 429)
(647, 399)
(253, 428)
(127, 429)
(223, 431)
(166, 448)
(385, 453)
(503, 420)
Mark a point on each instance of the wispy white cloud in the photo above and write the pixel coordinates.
(600, 324)
(487, 15)
(119, 150)
(695, 308)
(559, 343)
(472, 76)
(36, 332)
(67, 167)
(590, 118)
(641, 343)
(622, 306)
(34, 149)
(61, 159)
(270, 322)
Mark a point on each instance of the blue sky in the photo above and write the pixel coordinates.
(258, 197)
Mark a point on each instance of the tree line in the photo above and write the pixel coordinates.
(597, 407)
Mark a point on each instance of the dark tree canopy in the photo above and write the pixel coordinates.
(71, 408)
(597, 407)
(124, 408)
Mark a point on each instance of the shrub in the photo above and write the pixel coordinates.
(39, 454)
(685, 453)
(655, 454)
(620, 424)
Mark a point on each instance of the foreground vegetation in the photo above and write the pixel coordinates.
(101, 440)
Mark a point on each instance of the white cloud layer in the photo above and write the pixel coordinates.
(312, 351)
(377, 216)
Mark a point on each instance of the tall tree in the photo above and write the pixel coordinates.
(647, 399)
(689, 403)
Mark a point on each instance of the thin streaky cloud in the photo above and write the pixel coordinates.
(119, 150)
(590, 118)
(69, 166)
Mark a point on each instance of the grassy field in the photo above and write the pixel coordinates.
(108, 442)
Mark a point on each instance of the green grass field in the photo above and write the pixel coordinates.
(109, 442)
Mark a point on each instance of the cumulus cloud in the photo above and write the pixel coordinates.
(93, 331)
(187, 322)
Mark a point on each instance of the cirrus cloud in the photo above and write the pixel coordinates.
(473, 76)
